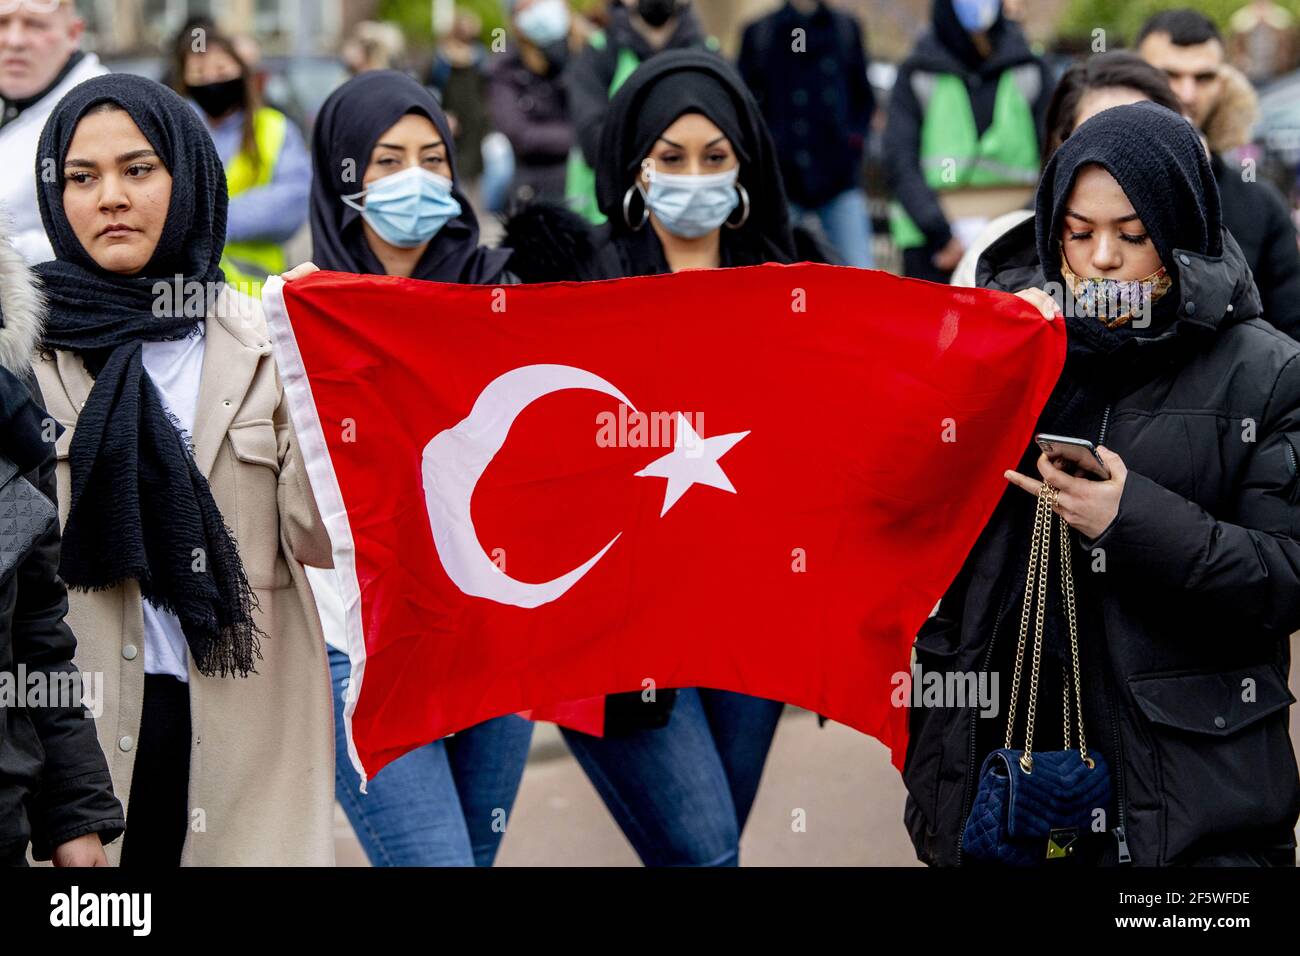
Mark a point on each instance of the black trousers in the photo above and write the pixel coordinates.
(158, 814)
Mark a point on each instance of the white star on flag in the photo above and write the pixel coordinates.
(693, 461)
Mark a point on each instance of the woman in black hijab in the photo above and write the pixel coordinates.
(1187, 574)
(386, 202)
(185, 501)
(386, 199)
(688, 179)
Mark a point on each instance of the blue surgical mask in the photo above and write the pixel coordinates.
(692, 206)
(545, 22)
(977, 16)
(407, 209)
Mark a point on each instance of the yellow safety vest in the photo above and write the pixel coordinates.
(249, 262)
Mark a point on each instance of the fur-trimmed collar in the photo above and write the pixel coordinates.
(23, 310)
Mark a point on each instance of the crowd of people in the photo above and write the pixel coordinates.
(186, 531)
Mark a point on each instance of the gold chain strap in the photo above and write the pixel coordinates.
(1036, 583)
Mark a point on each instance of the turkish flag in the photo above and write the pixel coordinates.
(758, 480)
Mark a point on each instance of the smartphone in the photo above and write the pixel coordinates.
(1077, 456)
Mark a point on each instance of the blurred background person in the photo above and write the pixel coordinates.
(40, 60)
(458, 75)
(1188, 47)
(638, 29)
(374, 46)
(268, 170)
(1090, 86)
(962, 139)
(812, 88)
(527, 100)
(1263, 40)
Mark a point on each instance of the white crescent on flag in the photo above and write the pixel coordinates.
(454, 461)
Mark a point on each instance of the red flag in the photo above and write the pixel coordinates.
(758, 480)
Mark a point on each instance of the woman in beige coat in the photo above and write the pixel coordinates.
(187, 513)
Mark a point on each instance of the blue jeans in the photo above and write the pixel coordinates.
(846, 220)
(444, 804)
(682, 793)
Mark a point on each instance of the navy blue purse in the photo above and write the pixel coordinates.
(1031, 808)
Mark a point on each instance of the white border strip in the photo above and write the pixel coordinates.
(325, 487)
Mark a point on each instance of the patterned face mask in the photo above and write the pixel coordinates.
(1115, 301)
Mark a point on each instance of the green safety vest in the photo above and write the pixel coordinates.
(251, 261)
(580, 178)
(954, 156)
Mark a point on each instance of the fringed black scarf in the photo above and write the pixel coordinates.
(140, 506)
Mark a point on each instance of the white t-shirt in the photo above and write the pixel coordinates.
(329, 604)
(176, 369)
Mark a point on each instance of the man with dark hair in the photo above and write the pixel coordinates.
(1188, 47)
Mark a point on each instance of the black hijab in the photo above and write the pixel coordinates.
(349, 125)
(667, 87)
(140, 506)
(955, 38)
(1157, 158)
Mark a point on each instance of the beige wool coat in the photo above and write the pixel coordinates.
(262, 750)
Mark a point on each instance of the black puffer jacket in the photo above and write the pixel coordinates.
(1187, 652)
(54, 781)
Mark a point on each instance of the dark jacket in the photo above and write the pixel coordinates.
(1258, 218)
(816, 99)
(589, 77)
(533, 113)
(54, 781)
(1187, 615)
(902, 141)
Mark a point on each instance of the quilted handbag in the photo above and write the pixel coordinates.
(1031, 808)
(25, 515)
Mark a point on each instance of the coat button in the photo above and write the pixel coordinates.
(130, 651)
(1185, 260)
(126, 743)
(1220, 722)
(1191, 308)
(227, 403)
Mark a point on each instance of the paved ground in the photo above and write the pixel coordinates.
(852, 796)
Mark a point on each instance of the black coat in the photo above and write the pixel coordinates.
(1258, 218)
(533, 112)
(54, 782)
(816, 100)
(1185, 634)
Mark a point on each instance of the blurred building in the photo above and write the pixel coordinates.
(892, 25)
(124, 28)
(132, 28)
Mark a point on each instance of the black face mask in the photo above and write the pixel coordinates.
(557, 56)
(218, 99)
(656, 12)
